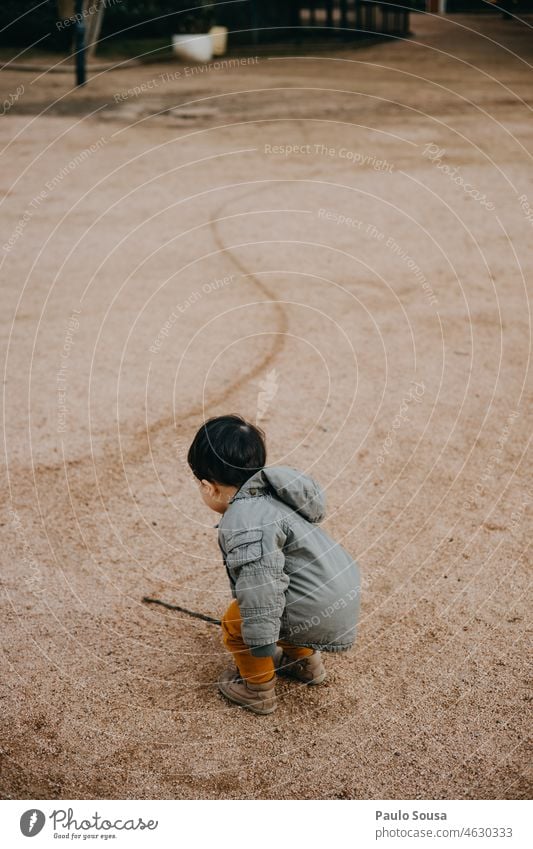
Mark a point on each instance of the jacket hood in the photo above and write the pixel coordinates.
(298, 491)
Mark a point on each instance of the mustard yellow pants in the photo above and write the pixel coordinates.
(258, 670)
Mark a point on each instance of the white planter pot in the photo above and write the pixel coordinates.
(193, 48)
(219, 37)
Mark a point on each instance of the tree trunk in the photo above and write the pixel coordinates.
(94, 12)
(94, 24)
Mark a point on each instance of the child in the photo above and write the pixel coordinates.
(295, 590)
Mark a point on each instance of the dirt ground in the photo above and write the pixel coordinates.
(337, 246)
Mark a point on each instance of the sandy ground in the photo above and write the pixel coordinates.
(166, 256)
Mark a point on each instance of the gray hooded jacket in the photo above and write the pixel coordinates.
(291, 580)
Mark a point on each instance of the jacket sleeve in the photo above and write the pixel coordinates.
(255, 561)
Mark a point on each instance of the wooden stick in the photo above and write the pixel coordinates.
(202, 616)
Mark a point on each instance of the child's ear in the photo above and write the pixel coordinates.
(210, 487)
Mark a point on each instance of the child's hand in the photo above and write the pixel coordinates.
(263, 651)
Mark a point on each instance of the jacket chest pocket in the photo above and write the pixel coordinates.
(244, 547)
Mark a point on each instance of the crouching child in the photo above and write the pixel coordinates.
(296, 591)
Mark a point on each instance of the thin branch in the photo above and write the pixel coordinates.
(202, 616)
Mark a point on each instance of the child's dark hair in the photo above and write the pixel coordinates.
(227, 450)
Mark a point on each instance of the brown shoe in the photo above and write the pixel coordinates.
(309, 670)
(259, 698)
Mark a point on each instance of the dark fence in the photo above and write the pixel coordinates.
(256, 20)
(25, 22)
